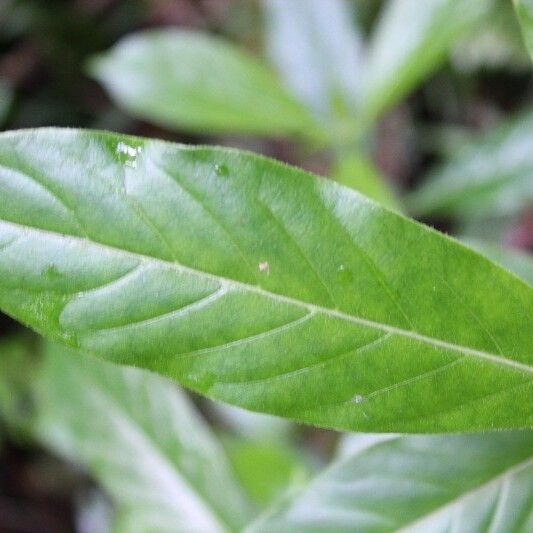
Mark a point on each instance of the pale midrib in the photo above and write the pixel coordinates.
(508, 472)
(326, 474)
(493, 358)
(147, 440)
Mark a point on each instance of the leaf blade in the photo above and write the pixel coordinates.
(524, 12)
(318, 50)
(184, 289)
(142, 440)
(410, 41)
(519, 262)
(489, 176)
(191, 81)
(418, 484)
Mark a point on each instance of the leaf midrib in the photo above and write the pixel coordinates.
(147, 439)
(492, 358)
(511, 470)
(515, 469)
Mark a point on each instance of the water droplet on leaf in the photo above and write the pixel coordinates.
(344, 274)
(222, 170)
(127, 153)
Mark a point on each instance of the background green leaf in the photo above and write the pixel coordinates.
(196, 82)
(411, 40)
(17, 375)
(253, 426)
(490, 176)
(476, 483)
(142, 440)
(267, 469)
(318, 50)
(258, 284)
(524, 11)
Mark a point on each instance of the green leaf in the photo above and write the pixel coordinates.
(490, 176)
(142, 440)
(489, 229)
(524, 11)
(411, 40)
(185, 80)
(17, 374)
(495, 44)
(359, 173)
(316, 47)
(517, 261)
(267, 469)
(258, 284)
(253, 426)
(473, 483)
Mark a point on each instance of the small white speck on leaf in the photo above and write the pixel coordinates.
(264, 266)
(358, 398)
(128, 153)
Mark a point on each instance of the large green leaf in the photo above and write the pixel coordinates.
(524, 11)
(473, 483)
(142, 440)
(490, 176)
(411, 40)
(195, 82)
(258, 284)
(316, 47)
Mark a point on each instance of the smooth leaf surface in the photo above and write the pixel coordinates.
(524, 11)
(411, 40)
(317, 49)
(191, 81)
(470, 483)
(266, 469)
(142, 440)
(518, 261)
(258, 284)
(490, 176)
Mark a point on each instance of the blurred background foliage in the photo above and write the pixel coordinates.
(426, 108)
